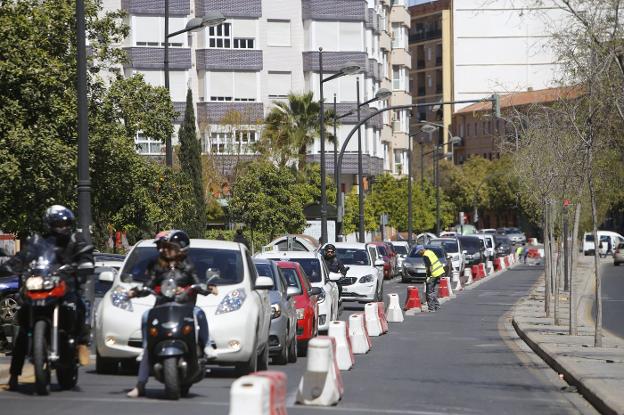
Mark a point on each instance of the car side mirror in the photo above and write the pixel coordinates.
(334, 276)
(106, 276)
(292, 291)
(379, 263)
(315, 291)
(264, 283)
(464, 252)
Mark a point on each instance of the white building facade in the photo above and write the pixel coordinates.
(267, 49)
(503, 46)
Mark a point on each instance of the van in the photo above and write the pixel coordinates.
(588, 241)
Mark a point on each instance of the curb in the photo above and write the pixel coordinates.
(569, 375)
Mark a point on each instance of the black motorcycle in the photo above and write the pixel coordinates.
(172, 340)
(52, 320)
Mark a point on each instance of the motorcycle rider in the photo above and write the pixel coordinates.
(334, 264)
(72, 249)
(172, 247)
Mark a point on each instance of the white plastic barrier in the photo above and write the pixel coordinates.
(394, 314)
(250, 395)
(457, 281)
(468, 275)
(360, 342)
(373, 323)
(321, 384)
(344, 354)
(489, 266)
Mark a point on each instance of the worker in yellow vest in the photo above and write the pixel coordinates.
(435, 270)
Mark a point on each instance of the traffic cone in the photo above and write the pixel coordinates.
(443, 291)
(450, 287)
(482, 270)
(475, 272)
(413, 299)
(497, 264)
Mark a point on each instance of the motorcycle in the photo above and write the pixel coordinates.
(172, 339)
(52, 321)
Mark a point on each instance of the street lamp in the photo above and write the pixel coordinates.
(196, 23)
(348, 69)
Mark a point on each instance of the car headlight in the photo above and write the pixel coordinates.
(119, 298)
(231, 302)
(321, 296)
(300, 313)
(276, 311)
(366, 278)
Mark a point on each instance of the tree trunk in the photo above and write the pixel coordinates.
(302, 158)
(558, 274)
(547, 262)
(598, 295)
(573, 255)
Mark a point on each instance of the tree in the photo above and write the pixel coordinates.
(265, 198)
(191, 166)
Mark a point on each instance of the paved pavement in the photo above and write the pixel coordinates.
(613, 298)
(598, 373)
(464, 359)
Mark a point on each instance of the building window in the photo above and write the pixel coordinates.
(147, 146)
(278, 32)
(220, 36)
(280, 84)
(243, 43)
(231, 142)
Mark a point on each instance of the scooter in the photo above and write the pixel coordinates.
(172, 343)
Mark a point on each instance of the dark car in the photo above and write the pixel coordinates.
(503, 246)
(473, 249)
(414, 269)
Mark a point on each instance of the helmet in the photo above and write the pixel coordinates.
(329, 247)
(58, 220)
(173, 237)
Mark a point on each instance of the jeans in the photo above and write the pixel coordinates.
(144, 366)
(432, 294)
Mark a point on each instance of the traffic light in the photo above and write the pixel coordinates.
(496, 105)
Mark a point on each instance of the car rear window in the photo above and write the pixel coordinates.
(470, 244)
(225, 264)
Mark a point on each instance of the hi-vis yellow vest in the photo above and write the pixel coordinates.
(437, 268)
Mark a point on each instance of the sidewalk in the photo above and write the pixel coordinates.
(598, 373)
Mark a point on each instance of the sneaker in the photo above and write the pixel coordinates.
(137, 392)
(83, 354)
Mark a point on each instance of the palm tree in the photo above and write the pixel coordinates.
(291, 127)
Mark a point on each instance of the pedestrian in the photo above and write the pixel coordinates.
(435, 270)
(525, 254)
(240, 238)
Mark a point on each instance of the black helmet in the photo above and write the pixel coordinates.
(174, 237)
(329, 248)
(58, 220)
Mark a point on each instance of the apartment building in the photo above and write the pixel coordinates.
(431, 48)
(263, 51)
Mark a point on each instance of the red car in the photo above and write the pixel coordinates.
(305, 303)
(382, 252)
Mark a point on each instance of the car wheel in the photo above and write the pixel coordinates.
(616, 264)
(105, 365)
(282, 358)
(251, 365)
(302, 348)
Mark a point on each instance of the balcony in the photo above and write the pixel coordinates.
(348, 10)
(230, 8)
(177, 8)
(154, 58)
(229, 60)
(333, 61)
(214, 112)
(385, 43)
(399, 14)
(401, 57)
(425, 35)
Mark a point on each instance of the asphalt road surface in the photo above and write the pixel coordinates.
(613, 298)
(460, 360)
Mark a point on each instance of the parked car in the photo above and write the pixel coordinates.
(364, 280)
(105, 262)
(473, 249)
(588, 240)
(490, 245)
(306, 303)
(488, 231)
(424, 238)
(238, 317)
(414, 268)
(515, 235)
(381, 252)
(402, 250)
(293, 242)
(448, 234)
(283, 329)
(453, 250)
(319, 276)
(618, 255)
(503, 246)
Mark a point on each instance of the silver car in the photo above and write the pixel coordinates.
(283, 330)
(515, 235)
(618, 255)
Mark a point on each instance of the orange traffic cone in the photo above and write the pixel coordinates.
(443, 289)
(413, 298)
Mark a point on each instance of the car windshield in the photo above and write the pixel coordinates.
(449, 246)
(470, 244)
(291, 277)
(225, 265)
(400, 249)
(350, 256)
(503, 241)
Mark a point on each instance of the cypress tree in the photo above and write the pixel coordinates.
(190, 164)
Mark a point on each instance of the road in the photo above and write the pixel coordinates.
(613, 298)
(460, 360)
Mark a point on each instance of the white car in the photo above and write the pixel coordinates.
(489, 243)
(402, 249)
(238, 317)
(319, 276)
(364, 280)
(453, 252)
